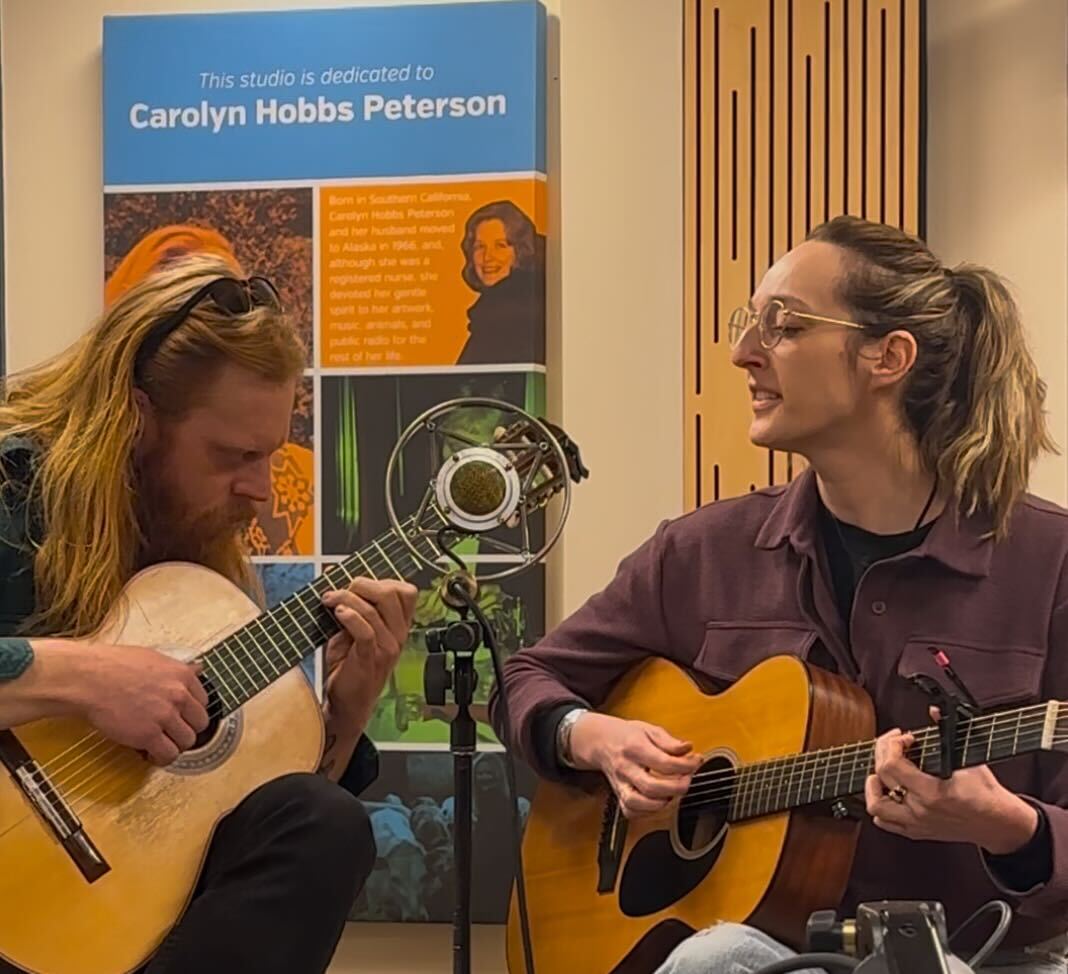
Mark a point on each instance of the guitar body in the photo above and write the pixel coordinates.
(152, 826)
(607, 896)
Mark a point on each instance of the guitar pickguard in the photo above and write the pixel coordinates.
(655, 877)
(664, 866)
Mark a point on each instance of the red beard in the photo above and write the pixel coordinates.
(171, 531)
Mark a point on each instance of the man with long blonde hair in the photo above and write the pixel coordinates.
(150, 440)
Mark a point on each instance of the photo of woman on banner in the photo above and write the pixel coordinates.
(285, 524)
(504, 260)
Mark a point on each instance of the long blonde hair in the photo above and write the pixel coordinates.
(974, 399)
(79, 409)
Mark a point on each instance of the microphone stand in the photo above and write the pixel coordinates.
(476, 490)
(460, 639)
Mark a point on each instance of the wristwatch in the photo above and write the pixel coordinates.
(16, 655)
(563, 736)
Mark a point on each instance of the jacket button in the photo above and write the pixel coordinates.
(878, 608)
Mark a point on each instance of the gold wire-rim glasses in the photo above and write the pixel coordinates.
(770, 323)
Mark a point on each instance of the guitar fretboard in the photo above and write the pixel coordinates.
(252, 658)
(780, 784)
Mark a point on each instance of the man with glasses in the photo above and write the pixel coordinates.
(150, 440)
(909, 388)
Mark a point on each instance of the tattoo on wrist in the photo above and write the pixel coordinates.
(16, 655)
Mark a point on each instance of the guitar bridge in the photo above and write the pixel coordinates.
(610, 845)
(51, 807)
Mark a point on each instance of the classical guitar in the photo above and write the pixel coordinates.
(783, 748)
(100, 850)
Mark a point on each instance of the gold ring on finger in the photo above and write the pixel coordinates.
(897, 794)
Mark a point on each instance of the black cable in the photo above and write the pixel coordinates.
(994, 940)
(804, 961)
(490, 640)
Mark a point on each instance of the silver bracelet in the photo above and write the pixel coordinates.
(563, 736)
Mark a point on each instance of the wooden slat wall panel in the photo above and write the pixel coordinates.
(796, 111)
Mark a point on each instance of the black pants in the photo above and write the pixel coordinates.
(281, 874)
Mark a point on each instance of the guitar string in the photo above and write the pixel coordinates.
(63, 777)
(79, 759)
(796, 771)
(86, 772)
(394, 547)
(96, 741)
(818, 754)
(980, 728)
(1034, 710)
(768, 788)
(804, 763)
(52, 767)
(75, 793)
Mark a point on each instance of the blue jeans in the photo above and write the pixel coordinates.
(731, 948)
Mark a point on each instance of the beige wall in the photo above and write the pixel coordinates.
(998, 170)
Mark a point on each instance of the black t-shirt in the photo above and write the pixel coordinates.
(851, 551)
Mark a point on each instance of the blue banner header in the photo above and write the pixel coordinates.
(361, 92)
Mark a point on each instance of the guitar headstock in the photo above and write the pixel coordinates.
(525, 444)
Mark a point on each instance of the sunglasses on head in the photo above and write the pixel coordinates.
(230, 295)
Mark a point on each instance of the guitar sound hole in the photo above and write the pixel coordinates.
(703, 810)
(214, 710)
(665, 866)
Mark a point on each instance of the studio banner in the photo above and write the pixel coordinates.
(385, 168)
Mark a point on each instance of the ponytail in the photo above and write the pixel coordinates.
(999, 425)
(973, 399)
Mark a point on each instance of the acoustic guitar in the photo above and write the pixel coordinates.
(784, 748)
(100, 851)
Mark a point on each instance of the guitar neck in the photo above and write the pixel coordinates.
(781, 784)
(265, 649)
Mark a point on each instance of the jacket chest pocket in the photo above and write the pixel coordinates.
(731, 649)
(996, 676)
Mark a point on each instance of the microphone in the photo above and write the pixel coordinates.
(478, 489)
(487, 490)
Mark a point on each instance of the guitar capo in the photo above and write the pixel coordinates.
(952, 708)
